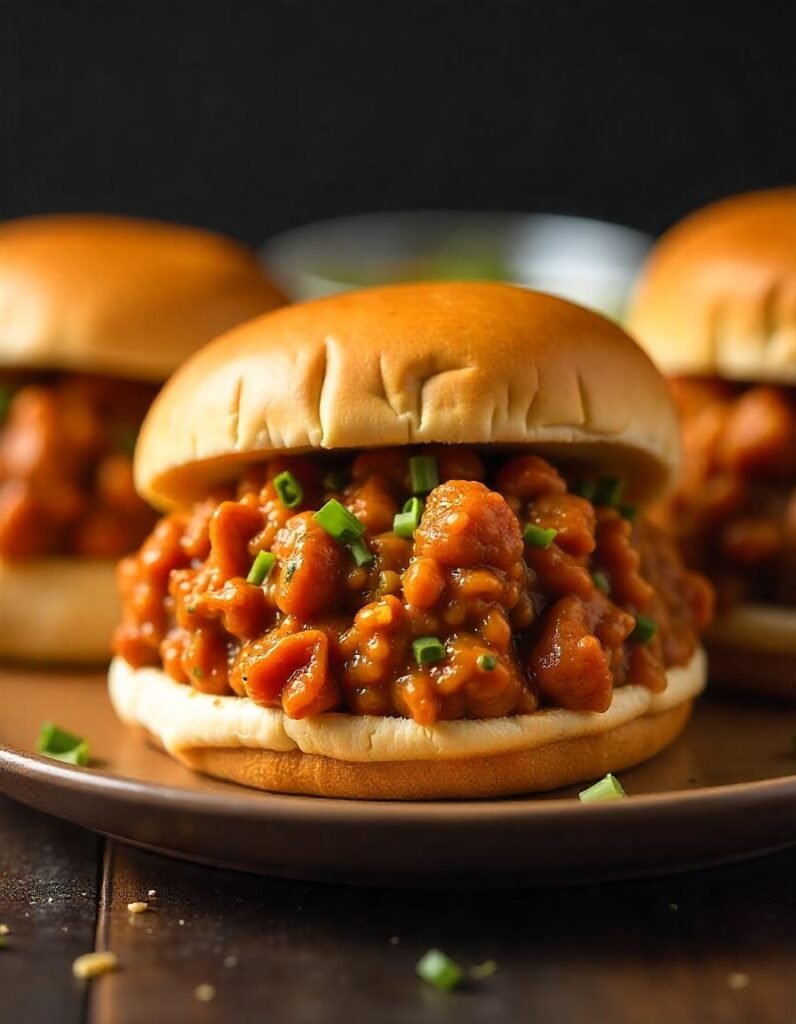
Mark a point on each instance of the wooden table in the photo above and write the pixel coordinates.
(713, 946)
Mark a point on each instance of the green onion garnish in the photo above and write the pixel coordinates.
(262, 565)
(288, 489)
(436, 968)
(609, 491)
(339, 522)
(584, 489)
(406, 522)
(424, 473)
(486, 662)
(601, 581)
(645, 629)
(537, 536)
(609, 788)
(427, 649)
(361, 552)
(198, 671)
(334, 481)
(480, 971)
(6, 397)
(626, 510)
(124, 438)
(62, 745)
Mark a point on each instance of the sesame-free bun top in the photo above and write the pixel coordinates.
(718, 295)
(451, 363)
(120, 296)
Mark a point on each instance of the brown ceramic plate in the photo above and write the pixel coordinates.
(725, 790)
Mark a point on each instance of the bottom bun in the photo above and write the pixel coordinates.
(365, 757)
(57, 609)
(753, 650)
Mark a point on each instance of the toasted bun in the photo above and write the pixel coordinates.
(753, 650)
(441, 363)
(124, 297)
(718, 296)
(369, 757)
(57, 609)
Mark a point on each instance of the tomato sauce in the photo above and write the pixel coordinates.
(66, 480)
(734, 513)
(518, 626)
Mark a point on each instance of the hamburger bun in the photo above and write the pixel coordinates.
(118, 296)
(718, 298)
(488, 365)
(718, 294)
(57, 610)
(753, 650)
(479, 364)
(375, 758)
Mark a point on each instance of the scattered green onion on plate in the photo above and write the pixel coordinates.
(438, 970)
(62, 745)
(609, 788)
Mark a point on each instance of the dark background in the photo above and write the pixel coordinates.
(252, 117)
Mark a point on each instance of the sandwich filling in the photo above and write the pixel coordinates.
(433, 583)
(734, 513)
(66, 481)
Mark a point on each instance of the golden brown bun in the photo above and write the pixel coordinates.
(57, 609)
(119, 296)
(440, 363)
(366, 757)
(753, 650)
(718, 295)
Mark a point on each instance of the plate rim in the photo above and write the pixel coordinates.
(23, 764)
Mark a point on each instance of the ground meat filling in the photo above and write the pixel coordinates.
(66, 479)
(526, 593)
(735, 512)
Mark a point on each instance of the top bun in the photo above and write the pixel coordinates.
(718, 295)
(440, 363)
(118, 296)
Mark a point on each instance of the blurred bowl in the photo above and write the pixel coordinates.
(588, 261)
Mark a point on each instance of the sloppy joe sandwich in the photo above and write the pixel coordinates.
(95, 312)
(716, 308)
(402, 555)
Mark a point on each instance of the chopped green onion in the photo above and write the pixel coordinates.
(62, 745)
(486, 662)
(537, 536)
(427, 649)
(480, 971)
(645, 629)
(609, 788)
(288, 489)
(262, 565)
(198, 671)
(6, 398)
(334, 481)
(339, 522)
(626, 510)
(424, 473)
(436, 968)
(601, 581)
(361, 552)
(584, 489)
(609, 491)
(406, 522)
(125, 438)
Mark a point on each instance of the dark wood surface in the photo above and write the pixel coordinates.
(714, 946)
